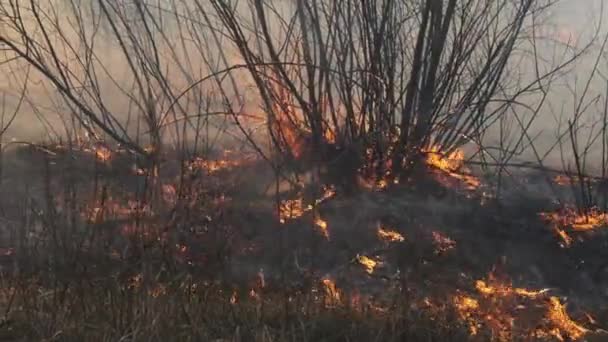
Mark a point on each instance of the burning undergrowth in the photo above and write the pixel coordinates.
(386, 256)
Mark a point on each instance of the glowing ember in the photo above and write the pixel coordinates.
(442, 242)
(389, 235)
(566, 239)
(328, 192)
(214, 166)
(368, 263)
(564, 180)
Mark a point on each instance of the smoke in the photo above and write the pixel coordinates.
(190, 44)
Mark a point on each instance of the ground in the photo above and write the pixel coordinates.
(87, 252)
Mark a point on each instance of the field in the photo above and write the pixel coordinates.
(251, 170)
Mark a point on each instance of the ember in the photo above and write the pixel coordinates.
(442, 242)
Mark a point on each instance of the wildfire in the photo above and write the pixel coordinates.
(295, 208)
(214, 166)
(505, 290)
(332, 294)
(389, 235)
(102, 153)
(575, 221)
(466, 307)
(494, 306)
(451, 165)
(564, 180)
(322, 226)
(558, 316)
(291, 209)
(368, 263)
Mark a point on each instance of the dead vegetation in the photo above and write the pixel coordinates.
(359, 201)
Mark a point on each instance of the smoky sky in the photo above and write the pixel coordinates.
(567, 22)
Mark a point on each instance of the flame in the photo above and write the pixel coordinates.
(465, 307)
(451, 165)
(213, 166)
(102, 153)
(389, 235)
(332, 294)
(294, 208)
(566, 239)
(558, 316)
(575, 221)
(495, 305)
(291, 209)
(322, 225)
(330, 136)
(564, 180)
(285, 125)
(590, 220)
(234, 298)
(505, 290)
(368, 263)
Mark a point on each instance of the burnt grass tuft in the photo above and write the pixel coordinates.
(209, 260)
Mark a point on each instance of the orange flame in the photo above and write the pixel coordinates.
(570, 219)
(294, 208)
(103, 153)
(495, 307)
(368, 263)
(564, 324)
(322, 225)
(452, 165)
(332, 294)
(389, 235)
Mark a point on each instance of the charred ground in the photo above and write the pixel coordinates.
(223, 257)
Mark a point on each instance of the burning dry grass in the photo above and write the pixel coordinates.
(368, 263)
(568, 221)
(204, 310)
(451, 165)
(389, 235)
(292, 209)
(509, 312)
(229, 160)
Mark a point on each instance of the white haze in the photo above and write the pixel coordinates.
(570, 21)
